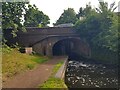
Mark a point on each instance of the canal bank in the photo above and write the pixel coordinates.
(35, 77)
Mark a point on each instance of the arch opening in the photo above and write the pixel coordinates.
(69, 46)
(63, 47)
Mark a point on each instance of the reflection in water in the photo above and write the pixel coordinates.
(84, 74)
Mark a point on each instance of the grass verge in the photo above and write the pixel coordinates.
(53, 82)
(14, 62)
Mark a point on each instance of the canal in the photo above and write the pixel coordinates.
(88, 73)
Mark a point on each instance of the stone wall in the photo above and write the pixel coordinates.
(42, 40)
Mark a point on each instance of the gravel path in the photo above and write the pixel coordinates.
(35, 77)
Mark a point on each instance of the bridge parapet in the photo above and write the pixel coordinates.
(34, 35)
(49, 30)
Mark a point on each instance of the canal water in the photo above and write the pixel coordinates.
(87, 73)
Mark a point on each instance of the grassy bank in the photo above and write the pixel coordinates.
(53, 82)
(14, 62)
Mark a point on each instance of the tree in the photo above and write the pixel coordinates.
(35, 18)
(103, 7)
(12, 14)
(84, 12)
(68, 16)
(108, 37)
(89, 27)
(101, 27)
(81, 13)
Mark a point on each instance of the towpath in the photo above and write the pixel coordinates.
(35, 77)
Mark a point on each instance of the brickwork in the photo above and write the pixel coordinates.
(42, 40)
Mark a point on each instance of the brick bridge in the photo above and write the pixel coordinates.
(53, 41)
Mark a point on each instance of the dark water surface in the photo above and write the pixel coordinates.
(90, 74)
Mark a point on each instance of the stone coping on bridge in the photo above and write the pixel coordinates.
(48, 30)
(45, 27)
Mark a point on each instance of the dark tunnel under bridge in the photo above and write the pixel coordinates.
(62, 47)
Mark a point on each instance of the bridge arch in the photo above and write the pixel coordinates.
(70, 45)
(62, 46)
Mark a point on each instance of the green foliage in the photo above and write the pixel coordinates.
(15, 13)
(84, 12)
(103, 8)
(89, 27)
(81, 13)
(53, 83)
(104, 55)
(109, 37)
(35, 18)
(56, 68)
(12, 13)
(6, 48)
(100, 27)
(68, 16)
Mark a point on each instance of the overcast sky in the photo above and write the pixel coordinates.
(54, 8)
